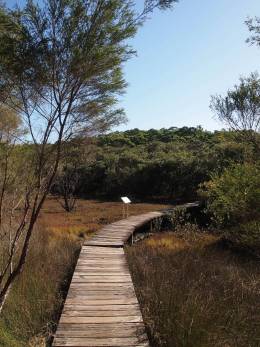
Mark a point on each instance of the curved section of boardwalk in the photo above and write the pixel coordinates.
(101, 308)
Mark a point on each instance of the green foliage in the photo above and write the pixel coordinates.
(240, 109)
(10, 125)
(234, 196)
(79, 47)
(177, 217)
(62, 60)
(155, 163)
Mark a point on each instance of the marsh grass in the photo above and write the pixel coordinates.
(89, 215)
(194, 292)
(33, 308)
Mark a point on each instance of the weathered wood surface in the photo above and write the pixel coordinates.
(101, 308)
(118, 233)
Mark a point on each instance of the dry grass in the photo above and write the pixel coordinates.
(89, 215)
(35, 302)
(195, 293)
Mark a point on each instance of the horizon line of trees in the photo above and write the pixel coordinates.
(167, 164)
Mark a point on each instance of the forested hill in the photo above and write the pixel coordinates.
(166, 163)
(140, 137)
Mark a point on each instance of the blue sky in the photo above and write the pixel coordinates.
(185, 56)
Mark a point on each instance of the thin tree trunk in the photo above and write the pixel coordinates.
(3, 298)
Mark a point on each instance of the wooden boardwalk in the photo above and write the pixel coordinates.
(101, 308)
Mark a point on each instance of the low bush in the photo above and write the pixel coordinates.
(234, 196)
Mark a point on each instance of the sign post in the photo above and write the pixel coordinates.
(126, 202)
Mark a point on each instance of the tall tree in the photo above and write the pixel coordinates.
(240, 109)
(61, 70)
(14, 182)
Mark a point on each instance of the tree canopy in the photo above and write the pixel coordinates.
(240, 108)
(62, 62)
(165, 163)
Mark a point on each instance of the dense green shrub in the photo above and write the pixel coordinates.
(234, 196)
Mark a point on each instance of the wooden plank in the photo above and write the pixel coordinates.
(101, 256)
(97, 301)
(86, 252)
(136, 327)
(99, 308)
(90, 280)
(99, 265)
(89, 271)
(97, 333)
(85, 270)
(101, 320)
(106, 243)
(98, 276)
(111, 282)
(96, 260)
(108, 289)
(101, 249)
(96, 252)
(108, 341)
(102, 313)
(111, 235)
(105, 269)
(92, 277)
(100, 272)
(98, 295)
(102, 262)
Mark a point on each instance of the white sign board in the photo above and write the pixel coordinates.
(125, 200)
